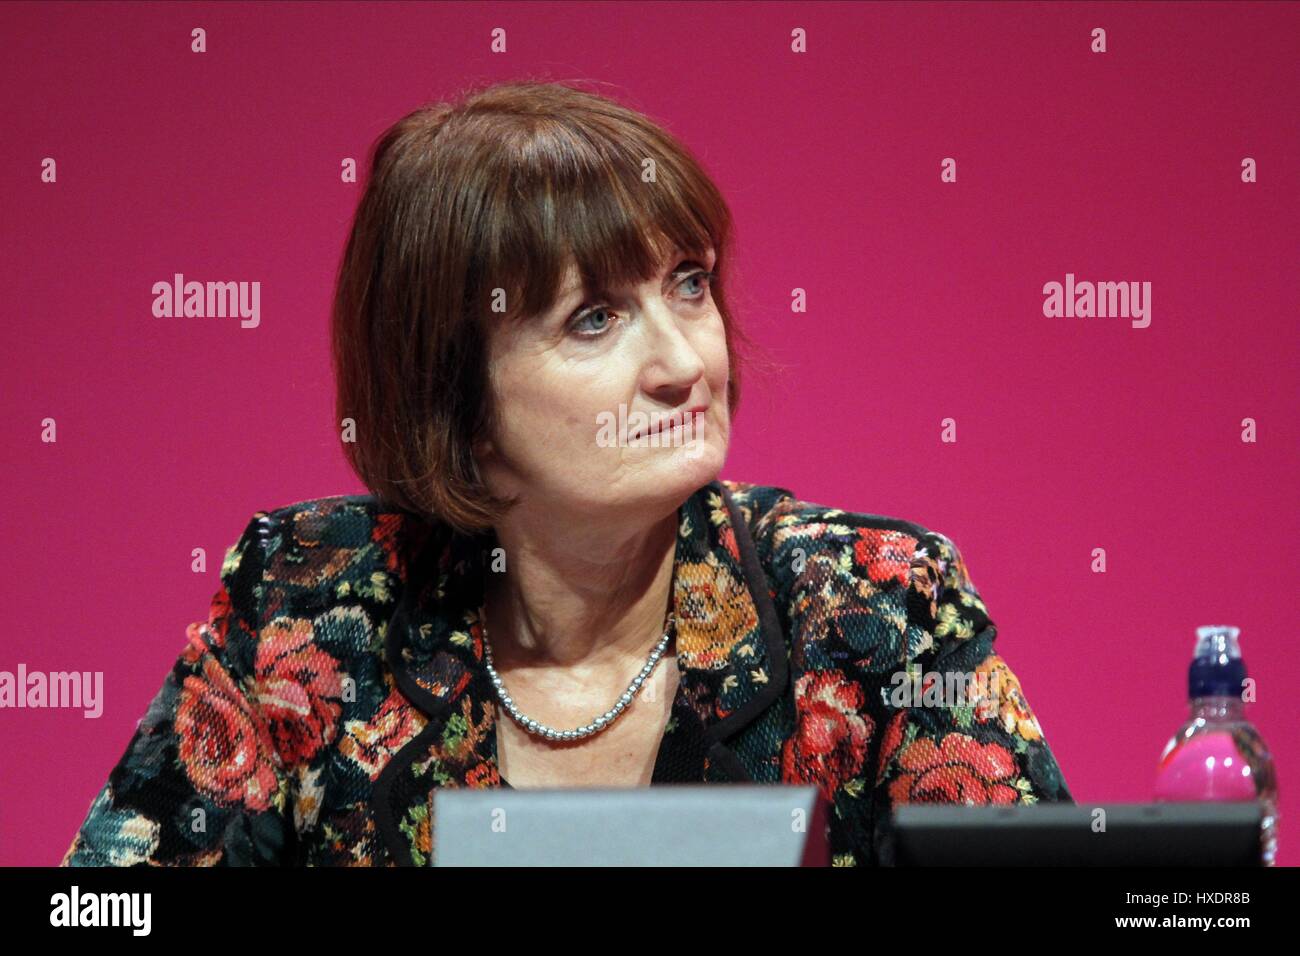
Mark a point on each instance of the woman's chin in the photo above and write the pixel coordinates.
(687, 466)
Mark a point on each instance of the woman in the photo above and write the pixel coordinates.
(549, 585)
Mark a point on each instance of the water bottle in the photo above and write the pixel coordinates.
(1218, 754)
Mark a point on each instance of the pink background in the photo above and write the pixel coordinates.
(925, 302)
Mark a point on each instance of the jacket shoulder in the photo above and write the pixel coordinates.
(785, 518)
(815, 549)
(333, 507)
(821, 558)
(334, 547)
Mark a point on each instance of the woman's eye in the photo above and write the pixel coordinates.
(702, 277)
(581, 321)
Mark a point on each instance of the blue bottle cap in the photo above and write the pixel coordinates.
(1217, 668)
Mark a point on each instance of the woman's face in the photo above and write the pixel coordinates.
(581, 388)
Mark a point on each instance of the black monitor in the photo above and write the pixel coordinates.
(1067, 834)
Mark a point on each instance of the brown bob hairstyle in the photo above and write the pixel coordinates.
(498, 191)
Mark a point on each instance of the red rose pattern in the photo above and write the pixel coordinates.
(886, 555)
(298, 689)
(225, 748)
(958, 770)
(830, 740)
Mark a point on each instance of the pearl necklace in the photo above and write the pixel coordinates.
(597, 725)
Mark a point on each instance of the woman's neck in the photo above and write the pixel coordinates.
(572, 596)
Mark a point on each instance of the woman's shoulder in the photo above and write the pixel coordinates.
(806, 546)
(339, 544)
(330, 509)
(778, 514)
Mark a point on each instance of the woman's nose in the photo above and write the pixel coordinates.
(671, 355)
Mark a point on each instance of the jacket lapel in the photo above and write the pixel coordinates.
(731, 654)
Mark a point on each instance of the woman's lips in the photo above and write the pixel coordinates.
(669, 422)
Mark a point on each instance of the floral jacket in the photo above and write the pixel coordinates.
(339, 680)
